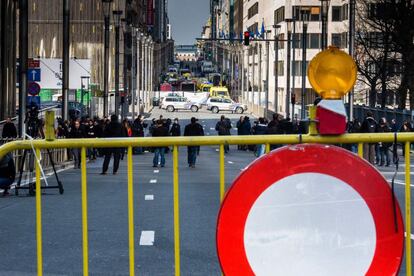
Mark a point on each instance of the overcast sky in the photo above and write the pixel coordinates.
(187, 18)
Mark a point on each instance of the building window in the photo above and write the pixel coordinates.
(253, 10)
(337, 40)
(280, 69)
(279, 15)
(345, 12)
(315, 14)
(297, 68)
(315, 41)
(336, 13)
(253, 28)
(281, 43)
(297, 41)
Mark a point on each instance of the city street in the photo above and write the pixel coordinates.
(108, 225)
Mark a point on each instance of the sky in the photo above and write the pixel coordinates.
(187, 18)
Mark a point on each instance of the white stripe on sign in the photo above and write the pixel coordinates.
(152, 181)
(149, 197)
(156, 171)
(147, 238)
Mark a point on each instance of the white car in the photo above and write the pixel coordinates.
(173, 103)
(218, 104)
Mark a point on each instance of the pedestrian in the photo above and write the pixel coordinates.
(193, 129)
(223, 127)
(353, 126)
(159, 152)
(260, 128)
(175, 128)
(406, 127)
(7, 173)
(384, 147)
(112, 130)
(76, 132)
(126, 132)
(91, 134)
(138, 130)
(9, 130)
(369, 125)
(274, 128)
(239, 130)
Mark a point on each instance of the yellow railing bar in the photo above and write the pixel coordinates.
(39, 241)
(205, 141)
(408, 208)
(131, 214)
(85, 246)
(361, 150)
(176, 212)
(267, 148)
(222, 183)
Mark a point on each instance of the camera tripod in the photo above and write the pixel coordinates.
(35, 131)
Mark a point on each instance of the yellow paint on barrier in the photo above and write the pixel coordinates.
(84, 191)
(176, 213)
(408, 209)
(39, 242)
(131, 214)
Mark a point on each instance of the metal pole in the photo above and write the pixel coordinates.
(304, 33)
(296, 44)
(351, 52)
(267, 79)
(65, 60)
(117, 69)
(241, 72)
(253, 72)
(324, 8)
(259, 67)
(276, 103)
(23, 52)
(134, 73)
(289, 42)
(106, 66)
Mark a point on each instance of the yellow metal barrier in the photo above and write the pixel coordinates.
(360, 139)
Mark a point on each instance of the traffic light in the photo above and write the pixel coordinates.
(246, 38)
(293, 98)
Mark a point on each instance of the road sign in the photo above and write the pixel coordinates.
(33, 75)
(33, 63)
(33, 100)
(310, 210)
(33, 89)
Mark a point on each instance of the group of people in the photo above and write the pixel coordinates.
(378, 153)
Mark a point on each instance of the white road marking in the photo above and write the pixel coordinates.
(399, 182)
(152, 181)
(230, 162)
(147, 238)
(156, 171)
(149, 197)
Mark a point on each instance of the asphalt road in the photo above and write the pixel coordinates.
(108, 221)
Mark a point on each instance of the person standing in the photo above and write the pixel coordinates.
(260, 129)
(384, 147)
(138, 130)
(91, 133)
(9, 130)
(7, 173)
(159, 152)
(175, 128)
(369, 125)
(76, 132)
(223, 127)
(193, 129)
(239, 130)
(112, 130)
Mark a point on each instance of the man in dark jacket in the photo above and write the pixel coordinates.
(175, 128)
(7, 173)
(159, 153)
(90, 131)
(138, 130)
(112, 130)
(9, 130)
(76, 132)
(223, 127)
(260, 129)
(369, 125)
(384, 147)
(193, 129)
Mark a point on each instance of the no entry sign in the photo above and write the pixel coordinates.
(310, 210)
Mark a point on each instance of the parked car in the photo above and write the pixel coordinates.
(172, 103)
(217, 104)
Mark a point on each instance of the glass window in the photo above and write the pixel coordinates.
(279, 15)
(253, 10)
(297, 41)
(336, 40)
(281, 68)
(336, 13)
(315, 41)
(227, 101)
(315, 14)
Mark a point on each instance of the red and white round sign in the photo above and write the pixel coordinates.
(310, 210)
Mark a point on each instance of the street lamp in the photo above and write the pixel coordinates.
(324, 16)
(117, 20)
(304, 14)
(107, 12)
(277, 32)
(289, 45)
